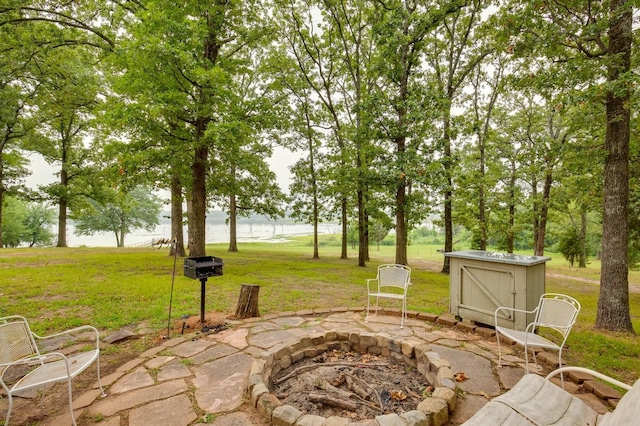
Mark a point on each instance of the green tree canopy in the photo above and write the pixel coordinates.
(121, 214)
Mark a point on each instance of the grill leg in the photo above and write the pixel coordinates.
(203, 286)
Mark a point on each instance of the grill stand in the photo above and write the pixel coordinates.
(203, 288)
(201, 268)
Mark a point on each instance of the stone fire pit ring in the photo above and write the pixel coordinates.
(432, 411)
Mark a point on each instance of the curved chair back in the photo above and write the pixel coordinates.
(16, 340)
(557, 311)
(394, 275)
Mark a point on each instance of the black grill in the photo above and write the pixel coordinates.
(201, 268)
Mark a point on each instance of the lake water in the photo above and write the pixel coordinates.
(215, 233)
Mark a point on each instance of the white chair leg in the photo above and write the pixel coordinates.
(102, 392)
(6, 420)
(366, 318)
(560, 366)
(499, 350)
(73, 418)
(526, 358)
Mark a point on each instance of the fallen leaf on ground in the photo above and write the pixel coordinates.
(460, 377)
(398, 395)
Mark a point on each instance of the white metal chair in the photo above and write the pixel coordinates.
(392, 282)
(19, 348)
(557, 312)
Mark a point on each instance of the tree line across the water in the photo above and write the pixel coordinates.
(505, 118)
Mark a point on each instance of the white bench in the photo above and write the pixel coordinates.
(535, 400)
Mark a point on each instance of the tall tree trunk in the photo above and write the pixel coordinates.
(401, 206)
(583, 237)
(535, 212)
(2, 192)
(544, 213)
(362, 240)
(363, 228)
(198, 216)
(122, 233)
(448, 189)
(613, 303)
(401, 223)
(199, 200)
(482, 220)
(177, 248)
(62, 206)
(482, 137)
(512, 208)
(366, 224)
(314, 183)
(189, 222)
(233, 226)
(343, 216)
(401, 147)
(316, 219)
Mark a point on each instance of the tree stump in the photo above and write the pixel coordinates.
(248, 302)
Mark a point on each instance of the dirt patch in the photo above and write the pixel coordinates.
(351, 385)
(213, 322)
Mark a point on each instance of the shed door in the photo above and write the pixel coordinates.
(483, 287)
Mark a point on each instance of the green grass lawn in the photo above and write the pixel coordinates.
(111, 288)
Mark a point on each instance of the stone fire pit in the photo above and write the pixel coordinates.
(433, 410)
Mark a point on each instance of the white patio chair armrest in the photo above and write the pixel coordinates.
(71, 331)
(369, 280)
(592, 372)
(31, 360)
(82, 328)
(501, 308)
(504, 308)
(53, 355)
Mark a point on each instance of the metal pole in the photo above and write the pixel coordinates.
(203, 285)
(173, 278)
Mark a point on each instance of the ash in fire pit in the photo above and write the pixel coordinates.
(352, 385)
(372, 348)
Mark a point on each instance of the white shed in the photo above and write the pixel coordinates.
(481, 281)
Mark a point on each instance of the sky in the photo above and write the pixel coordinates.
(43, 173)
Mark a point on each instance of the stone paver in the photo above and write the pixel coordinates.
(158, 361)
(290, 321)
(176, 411)
(191, 348)
(269, 339)
(509, 376)
(213, 353)
(219, 379)
(221, 383)
(111, 405)
(139, 378)
(480, 378)
(129, 365)
(172, 370)
(235, 419)
(86, 399)
(236, 338)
